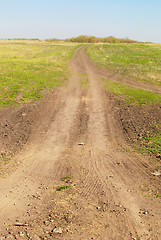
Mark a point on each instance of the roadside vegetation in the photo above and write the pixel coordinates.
(132, 95)
(60, 188)
(92, 39)
(139, 61)
(28, 68)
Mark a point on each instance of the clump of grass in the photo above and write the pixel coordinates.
(66, 178)
(61, 188)
(139, 61)
(131, 94)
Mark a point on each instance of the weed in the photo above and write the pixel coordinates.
(60, 188)
(66, 178)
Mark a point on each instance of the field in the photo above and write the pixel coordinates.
(28, 68)
(139, 61)
(84, 160)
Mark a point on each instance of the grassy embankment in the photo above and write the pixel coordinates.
(30, 67)
(141, 62)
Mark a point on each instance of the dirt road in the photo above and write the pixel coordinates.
(84, 150)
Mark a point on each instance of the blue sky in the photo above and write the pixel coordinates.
(136, 19)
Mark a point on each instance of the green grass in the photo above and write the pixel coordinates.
(139, 61)
(27, 68)
(151, 144)
(131, 94)
(61, 188)
(66, 177)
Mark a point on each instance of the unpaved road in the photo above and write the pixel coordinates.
(109, 183)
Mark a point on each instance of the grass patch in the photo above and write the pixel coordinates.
(61, 188)
(131, 94)
(151, 144)
(66, 177)
(139, 61)
(27, 68)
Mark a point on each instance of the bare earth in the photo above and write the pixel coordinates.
(78, 136)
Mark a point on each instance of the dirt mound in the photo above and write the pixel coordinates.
(22, 124)
(137, 122)
(15, 127)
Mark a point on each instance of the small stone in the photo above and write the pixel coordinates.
(156, 173)
(143, 212)
(81, 144)
(98, 208)
(119, 205)
(24, 114)
(9, 237)
(18, 224)
(57, 230)
(158, 156)
(21, 234)
(146, 212)
(46, 223)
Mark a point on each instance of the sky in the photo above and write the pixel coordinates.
(136, 19)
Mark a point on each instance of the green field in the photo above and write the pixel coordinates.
(139, 61)
(27, 68)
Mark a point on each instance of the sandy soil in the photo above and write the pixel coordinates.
(78, 143)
